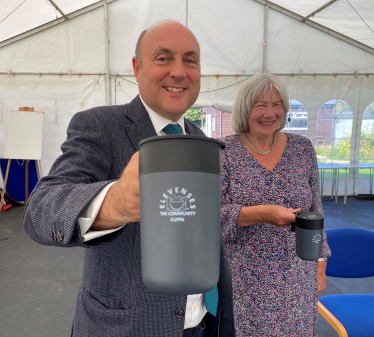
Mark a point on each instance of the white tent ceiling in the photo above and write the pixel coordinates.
(352, 18)
(64, 65)
(19, 16)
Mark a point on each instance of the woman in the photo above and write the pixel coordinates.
(267, 176)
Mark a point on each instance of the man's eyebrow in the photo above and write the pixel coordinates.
(162, 50)
(192, 53)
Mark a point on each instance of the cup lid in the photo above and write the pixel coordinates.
(309, 215)
(183, 137)
(309, 220)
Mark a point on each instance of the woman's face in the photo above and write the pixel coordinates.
(266, 114)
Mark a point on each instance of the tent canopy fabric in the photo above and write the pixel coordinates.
(349, 17)
(65, 63)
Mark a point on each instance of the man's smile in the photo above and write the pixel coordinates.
(175, 89)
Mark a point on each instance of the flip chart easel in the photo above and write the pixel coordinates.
(23, 141)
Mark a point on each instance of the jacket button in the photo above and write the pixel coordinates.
(179, 313)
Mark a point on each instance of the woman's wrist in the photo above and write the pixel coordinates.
(250, 215)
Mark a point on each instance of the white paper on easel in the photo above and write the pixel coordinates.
(23, 138)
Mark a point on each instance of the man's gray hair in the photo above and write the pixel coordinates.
(249, 94)
(137, 48)
(140, 38)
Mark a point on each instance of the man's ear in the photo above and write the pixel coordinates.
(135, 67)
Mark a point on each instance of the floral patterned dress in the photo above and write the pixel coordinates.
(275, 292)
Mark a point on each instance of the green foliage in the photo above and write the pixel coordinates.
(323, 152)
(367, 145)
(193, 115)
(343, 147)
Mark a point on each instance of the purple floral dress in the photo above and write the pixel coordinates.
(275, 293)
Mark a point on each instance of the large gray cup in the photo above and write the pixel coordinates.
(180, 190)
(309, 232)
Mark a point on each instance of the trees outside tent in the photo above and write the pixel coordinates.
(367, 139)
(334, 132)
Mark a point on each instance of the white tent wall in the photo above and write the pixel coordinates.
(230, 35)
(231, 38)
(59, 99)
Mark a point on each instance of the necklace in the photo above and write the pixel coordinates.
(250, 145)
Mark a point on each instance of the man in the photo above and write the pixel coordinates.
(80, 203)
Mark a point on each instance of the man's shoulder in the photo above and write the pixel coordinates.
(105, 111)
(113, 113)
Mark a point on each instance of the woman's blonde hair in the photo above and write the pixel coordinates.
(248, 96)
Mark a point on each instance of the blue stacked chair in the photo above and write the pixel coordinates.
(352, 256)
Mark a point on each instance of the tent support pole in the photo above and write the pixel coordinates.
(107, 74)
(319, 9)
(316, 25)
(265, 52)
(54, 22)
(187, 13)
(58, 8)
(357, 136)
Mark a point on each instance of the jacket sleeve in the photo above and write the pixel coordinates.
(76, 177)
(316, 197)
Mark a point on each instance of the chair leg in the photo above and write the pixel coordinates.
(330, 318)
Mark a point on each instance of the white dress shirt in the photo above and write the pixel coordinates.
(195, 306)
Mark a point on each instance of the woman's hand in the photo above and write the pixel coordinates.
(276, 215)
(280, 216)
(321, 275)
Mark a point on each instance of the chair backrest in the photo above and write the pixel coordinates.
(352, 253)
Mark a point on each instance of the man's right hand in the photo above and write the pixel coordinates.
(121, 204)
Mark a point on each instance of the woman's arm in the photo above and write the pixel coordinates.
(276, 215)
(316, 197)
(229, 210)
(321, 269)
(317, 207)
(234, 216)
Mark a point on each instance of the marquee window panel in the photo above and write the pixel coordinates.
(334, 132)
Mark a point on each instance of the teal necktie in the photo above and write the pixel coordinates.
(173, 129)
(211, 301)
(211, 297)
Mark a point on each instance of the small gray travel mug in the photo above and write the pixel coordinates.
(309, 232)
(180, 199)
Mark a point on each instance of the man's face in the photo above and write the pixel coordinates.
(169, 75)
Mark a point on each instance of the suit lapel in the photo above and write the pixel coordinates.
(142, 126)
(190, 130)
(187, 128)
